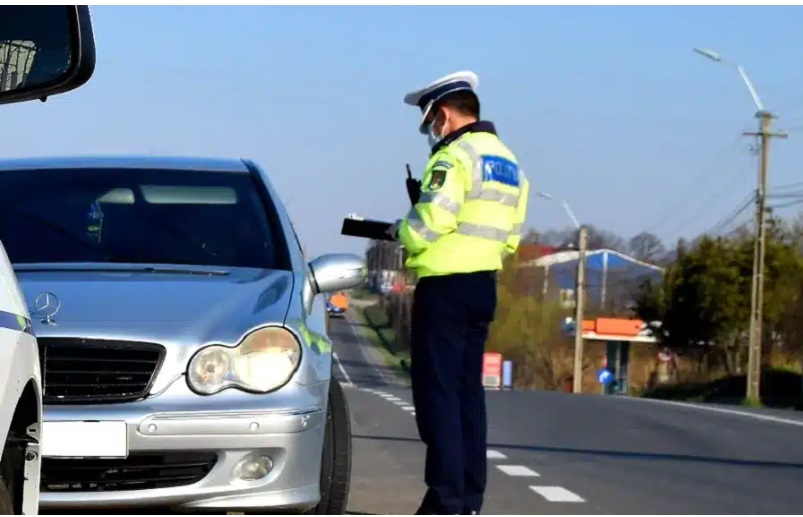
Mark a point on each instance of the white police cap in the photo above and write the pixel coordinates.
(427, 96)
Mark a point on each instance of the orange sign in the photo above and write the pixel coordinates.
(617, 329)
(492, 369)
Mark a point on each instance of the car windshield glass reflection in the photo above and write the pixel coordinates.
(137, 216)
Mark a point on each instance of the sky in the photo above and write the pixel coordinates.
(605, 107)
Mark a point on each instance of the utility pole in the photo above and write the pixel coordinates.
(757, 292)
(579, 299)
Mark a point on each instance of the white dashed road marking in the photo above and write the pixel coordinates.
(517, 470)
(494, 455)
(553, 494)
(557, 494)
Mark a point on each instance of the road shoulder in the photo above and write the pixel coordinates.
(378, 339)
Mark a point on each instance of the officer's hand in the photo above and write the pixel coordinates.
(413, 189)
(393, 231)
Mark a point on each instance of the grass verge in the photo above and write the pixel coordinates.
(779, 389)
(377, 329)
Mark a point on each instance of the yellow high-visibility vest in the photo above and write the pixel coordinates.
(472, 208)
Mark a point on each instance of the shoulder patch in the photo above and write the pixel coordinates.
(437, 180)
(442, 164)
(500, 170)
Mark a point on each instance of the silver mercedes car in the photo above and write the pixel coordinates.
(185, 356)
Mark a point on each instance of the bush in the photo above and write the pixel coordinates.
(527, 331)
(780, 389)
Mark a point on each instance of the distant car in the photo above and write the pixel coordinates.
(334, 310)
(184, 350)
(337, 304)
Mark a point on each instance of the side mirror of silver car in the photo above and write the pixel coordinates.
(338, 272)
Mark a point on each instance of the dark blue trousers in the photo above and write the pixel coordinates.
(451, 317)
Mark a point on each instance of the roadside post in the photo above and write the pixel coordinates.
(664, 365)
(507, 375)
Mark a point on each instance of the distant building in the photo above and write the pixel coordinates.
(610, 275)
(527, 276)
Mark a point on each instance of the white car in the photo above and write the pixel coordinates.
(45, 51)
(20, 397)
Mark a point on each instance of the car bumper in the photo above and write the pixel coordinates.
(199, 448)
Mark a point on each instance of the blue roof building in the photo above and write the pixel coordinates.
(607, 273)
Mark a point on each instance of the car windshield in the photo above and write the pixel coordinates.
(142, 216)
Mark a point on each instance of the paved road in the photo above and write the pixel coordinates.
(553, 453)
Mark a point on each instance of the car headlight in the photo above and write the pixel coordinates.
(264, 361)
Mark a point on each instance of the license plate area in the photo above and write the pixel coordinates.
(85, 439)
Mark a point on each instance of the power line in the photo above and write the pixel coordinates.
(719, 162)
(787, 204)
(695, 214)
(723, 223)
(787, 195)
(786, 186)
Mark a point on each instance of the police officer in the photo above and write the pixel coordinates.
(467, 215)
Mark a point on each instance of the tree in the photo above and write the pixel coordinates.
(531, 237)
(597, 239)
(382, 255)
(527, 331)
(646, 247)
(603, 239)
(558, 238)
(704, 299)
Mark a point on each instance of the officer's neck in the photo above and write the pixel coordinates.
(471, 125)
(460, 122)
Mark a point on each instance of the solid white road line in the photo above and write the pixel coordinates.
(342, 370)
(517, 470)
(725, 411)
(494, 455)
(557, 494)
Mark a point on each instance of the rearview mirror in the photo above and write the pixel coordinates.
(338, 272)
(44, 50)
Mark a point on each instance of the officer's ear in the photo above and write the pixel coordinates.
(432, 115)
(440, 116)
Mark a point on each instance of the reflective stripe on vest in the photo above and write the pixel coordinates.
(417, 224)
(487, 192)
(438, 199)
